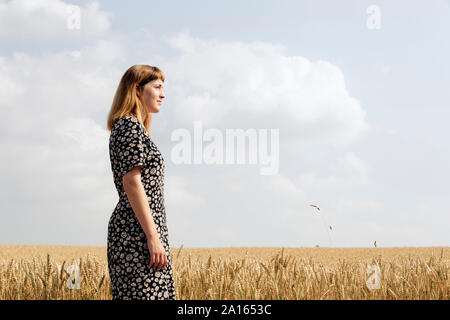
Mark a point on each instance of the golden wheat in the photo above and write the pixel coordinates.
(44, 272)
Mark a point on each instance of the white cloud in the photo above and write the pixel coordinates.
(54, 107)
(84, 132)
(365, 207)
(184, 208)
(354, 163)
(348, 171)
(236, 84)
(179, 195)
(311, 181)
(53, 84)
(283, 188)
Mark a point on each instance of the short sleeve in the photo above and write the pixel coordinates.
(129, 145)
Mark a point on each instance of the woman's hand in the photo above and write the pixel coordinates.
(158, 256)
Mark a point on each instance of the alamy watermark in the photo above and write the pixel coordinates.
(73, 20)
(374, 280)
(223, 149)
(74, 280)
(373, 22)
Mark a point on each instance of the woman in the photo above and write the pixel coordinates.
(138, 253)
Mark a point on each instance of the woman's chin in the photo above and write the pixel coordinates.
(155, 110)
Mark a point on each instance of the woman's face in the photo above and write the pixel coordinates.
(151, 95)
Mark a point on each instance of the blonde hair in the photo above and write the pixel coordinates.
(126, 102)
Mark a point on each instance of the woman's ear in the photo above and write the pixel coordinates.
(138, 92)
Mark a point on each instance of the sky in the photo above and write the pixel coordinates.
(357, 92)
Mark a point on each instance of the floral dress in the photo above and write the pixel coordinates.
(127, 251)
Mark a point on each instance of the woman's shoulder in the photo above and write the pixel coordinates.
(126, 122)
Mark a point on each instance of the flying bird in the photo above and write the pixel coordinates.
(375, 243)
(331, 228)
(313, 205)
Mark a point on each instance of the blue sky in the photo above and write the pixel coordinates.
(366, 139)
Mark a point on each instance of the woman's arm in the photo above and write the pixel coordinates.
(139, 203)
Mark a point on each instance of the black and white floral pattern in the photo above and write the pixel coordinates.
(127, 250)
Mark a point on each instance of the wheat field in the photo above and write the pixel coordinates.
(44, 272)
